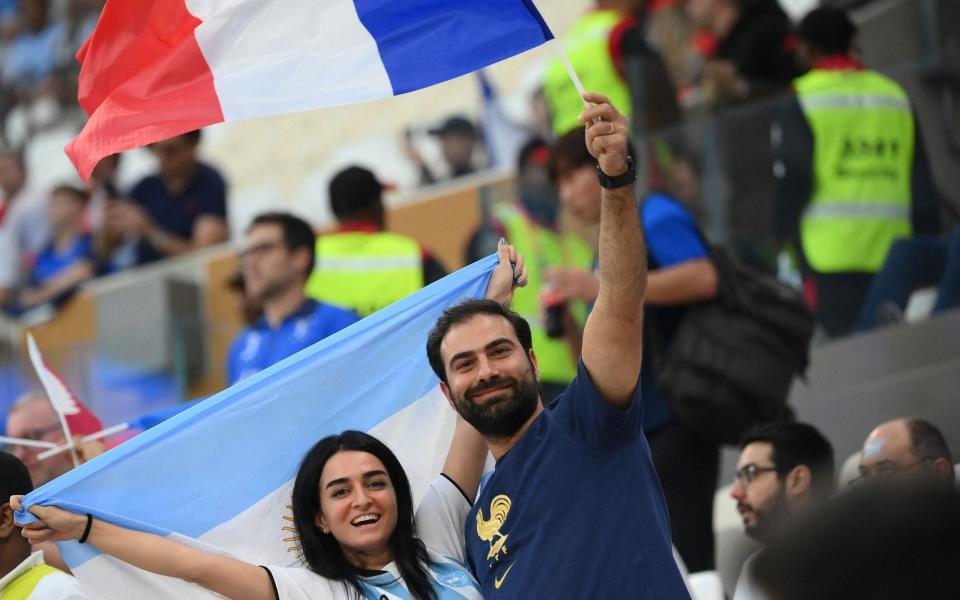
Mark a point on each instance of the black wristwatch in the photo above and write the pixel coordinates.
(619, 181)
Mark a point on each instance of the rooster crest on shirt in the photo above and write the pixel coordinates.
(489, 529)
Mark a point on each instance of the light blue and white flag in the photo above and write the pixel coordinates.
(219, 475)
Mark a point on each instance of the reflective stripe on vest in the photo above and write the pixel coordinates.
(588, 46)
(22, 587)
(542, 248)
(365, 272)
(863, 133)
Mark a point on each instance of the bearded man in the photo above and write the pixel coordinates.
(573, 508)
(784, 469)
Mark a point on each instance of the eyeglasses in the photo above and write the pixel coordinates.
(259, 250)
(747, 473)
(885, 472)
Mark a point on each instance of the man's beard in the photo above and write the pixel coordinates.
(501, 416)
(769, 519)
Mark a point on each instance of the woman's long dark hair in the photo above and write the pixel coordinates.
(322, 552)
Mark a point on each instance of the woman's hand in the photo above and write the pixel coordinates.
(55, 524)
(508, 275)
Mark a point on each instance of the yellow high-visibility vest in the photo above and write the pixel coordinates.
(543, 248)
(365, 271)
(863, 131)
(588, 47)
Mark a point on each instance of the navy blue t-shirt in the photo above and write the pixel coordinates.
(258, 346)
(575, 509)
(206, 195)
(672, 238)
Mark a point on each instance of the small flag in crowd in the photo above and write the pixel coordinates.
(153, 69)
(219, 474)
(79, 419)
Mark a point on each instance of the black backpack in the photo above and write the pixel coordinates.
(732, 359)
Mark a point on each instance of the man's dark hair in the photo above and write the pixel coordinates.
(828, 30)
(926, 441)
(796, 444)
(78, 194)
(192, 136)
(354, 190)
(14, 477)
(569, 153)
(885, 540)
(297, 233)
(463, 312)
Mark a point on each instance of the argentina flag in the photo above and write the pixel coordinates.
(219, 475)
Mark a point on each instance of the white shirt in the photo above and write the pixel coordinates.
(441, 513)
(746, 586)
(24, 231)
(55, 586)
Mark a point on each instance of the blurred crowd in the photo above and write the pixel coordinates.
(827, 178)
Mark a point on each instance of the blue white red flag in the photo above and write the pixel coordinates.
(153, 69)
(219, 474)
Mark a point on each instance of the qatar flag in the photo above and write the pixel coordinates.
(153, 69)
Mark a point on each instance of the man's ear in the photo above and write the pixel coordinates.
(536, 365)
(943, 468)
(446, 392)
(7, 525)
(798, 481)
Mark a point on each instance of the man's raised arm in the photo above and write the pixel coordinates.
(613, 334)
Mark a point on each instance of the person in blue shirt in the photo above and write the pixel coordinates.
(179, 209)
(573, 508)
(67, 261)
(279, 256)
(681, 274)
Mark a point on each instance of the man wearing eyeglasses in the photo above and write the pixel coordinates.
(906, 448)
(32, 417)
(784, 468)
(278, 258)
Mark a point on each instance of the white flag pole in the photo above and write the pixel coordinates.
(573, 74)
(25, 442)
(58, 395)
(55, 450)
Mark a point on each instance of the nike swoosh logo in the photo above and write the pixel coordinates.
(497, 582)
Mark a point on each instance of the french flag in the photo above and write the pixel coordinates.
(219, 475)
(153, 69)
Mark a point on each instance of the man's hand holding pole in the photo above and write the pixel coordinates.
(612, 337)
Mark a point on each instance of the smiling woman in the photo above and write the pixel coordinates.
(354, 517)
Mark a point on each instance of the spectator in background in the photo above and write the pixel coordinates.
(680, 274)
(24, 229)
(181, 208)
(530, 225)
(852, 170)
(29, 67)
(906, 448)
(873, 543)
(783, 469)
(458, 143)
(32, 417)
(912, 264)
(361, 266)
(279, 256)
(67, 261)
(753, 54)
(589, 46)
(23, 573)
